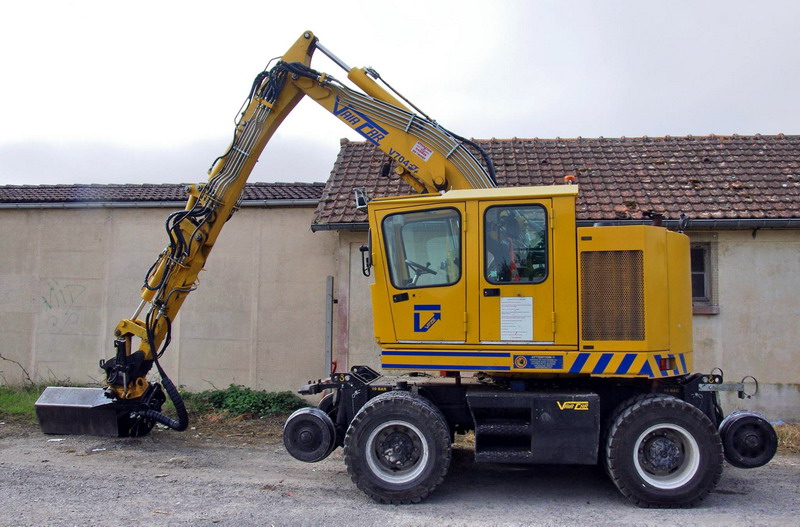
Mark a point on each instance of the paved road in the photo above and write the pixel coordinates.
(178, 479)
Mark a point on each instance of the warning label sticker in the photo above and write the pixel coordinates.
(422, 151)
(516, 318)
(539, 362)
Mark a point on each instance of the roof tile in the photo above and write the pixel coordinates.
(736, 177)
(35, 194)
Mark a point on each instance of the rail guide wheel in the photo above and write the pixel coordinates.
(748, 438)
(309, 435)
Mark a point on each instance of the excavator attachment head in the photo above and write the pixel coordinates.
(82, 411)
(87, 411)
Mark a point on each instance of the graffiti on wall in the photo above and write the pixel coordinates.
(58, 303)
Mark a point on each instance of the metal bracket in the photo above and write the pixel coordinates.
(729, 387)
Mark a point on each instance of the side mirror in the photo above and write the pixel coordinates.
(361, 199)
(366, 260)
(366, 255)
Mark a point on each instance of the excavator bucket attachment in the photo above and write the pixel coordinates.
(77, 411)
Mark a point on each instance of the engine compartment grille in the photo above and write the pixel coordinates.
(612, 295)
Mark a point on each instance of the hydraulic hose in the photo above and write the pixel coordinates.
(180, 408)
(183, 416)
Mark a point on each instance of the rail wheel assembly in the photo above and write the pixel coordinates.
(397, 448)
(663, 452)
(749, 439)
(309, 435)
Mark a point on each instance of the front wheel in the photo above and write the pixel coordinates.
(397, 449)
(664, 452)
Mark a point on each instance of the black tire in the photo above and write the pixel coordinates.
(664, 452)
(397, 448)
(609, 423)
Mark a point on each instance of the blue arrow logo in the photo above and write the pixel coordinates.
(419, 327)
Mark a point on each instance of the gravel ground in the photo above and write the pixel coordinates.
(193, 479)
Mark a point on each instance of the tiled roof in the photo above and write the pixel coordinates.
(715, 177)
(31, 194)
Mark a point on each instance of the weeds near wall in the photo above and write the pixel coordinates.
(788, 437)
(17, 403)
(27, 375)
(239, 400)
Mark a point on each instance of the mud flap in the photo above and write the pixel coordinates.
(77, 411)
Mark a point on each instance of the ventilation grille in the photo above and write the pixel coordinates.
(612, 295)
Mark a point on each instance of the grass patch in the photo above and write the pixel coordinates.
(788, 438)
(17, 403)
(239, 400)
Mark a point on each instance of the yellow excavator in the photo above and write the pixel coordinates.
(554, 344)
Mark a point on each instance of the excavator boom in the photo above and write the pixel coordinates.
(424, 154)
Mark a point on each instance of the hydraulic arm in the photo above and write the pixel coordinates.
(425, 155)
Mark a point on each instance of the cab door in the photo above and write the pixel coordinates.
(424, 252)
(516, 284)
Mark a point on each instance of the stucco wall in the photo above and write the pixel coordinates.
(756, 331)
(68, 276)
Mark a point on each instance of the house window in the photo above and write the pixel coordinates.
(704, 279)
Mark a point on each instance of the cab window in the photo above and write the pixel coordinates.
(423, 248)
(515, 244)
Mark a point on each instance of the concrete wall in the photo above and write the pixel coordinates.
(68, 276)
(756, 331)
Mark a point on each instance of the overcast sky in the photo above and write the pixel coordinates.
(146, 92)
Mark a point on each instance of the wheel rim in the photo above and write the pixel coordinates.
(397, 452)
(749, 441)
(666, 456)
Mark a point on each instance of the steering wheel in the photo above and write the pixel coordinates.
(419, 268)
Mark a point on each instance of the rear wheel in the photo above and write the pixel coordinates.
(664, 452)
(397, 449)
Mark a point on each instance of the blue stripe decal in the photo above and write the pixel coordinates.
(626, 363)
(683, 363)
(427, 307)
(448, 354)
(443, 367)
(600, 367)
(646, 370)
(579, 362)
